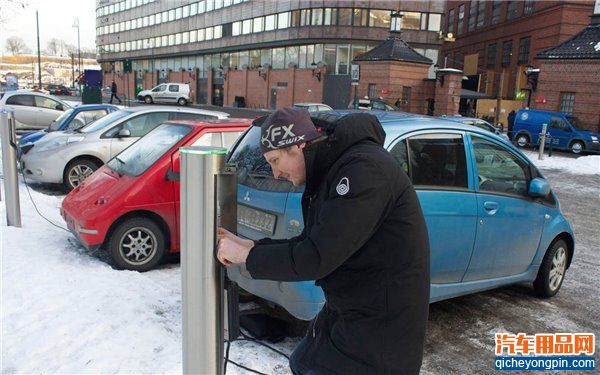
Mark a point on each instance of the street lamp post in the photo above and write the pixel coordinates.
(76, 24)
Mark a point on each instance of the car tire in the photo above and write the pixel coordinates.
(522, 140)
(181, 101)
(577, 147)
(77, 171)
(552, 270)
(137, 244)
(148, 99)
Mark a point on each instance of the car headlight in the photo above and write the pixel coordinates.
(594, 139)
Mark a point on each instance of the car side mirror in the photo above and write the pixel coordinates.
(59, 107)
(124, 133)
(538, 187)
(172, 176)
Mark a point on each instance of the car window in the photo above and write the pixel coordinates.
(142, 124)
(323, 108)
(400, 153)
(105, 121)
(137, 158)
(190, 116)
(173, 88)
(559, 124)
(85, 117)
(437, 160)
(253, 169)
(159, 88)
(42, 102)
(229, 138)
(56, 123)
(26, 100)
(209, 139)
(576, 122)
(378, 105)
(312, 108)
(498, 170)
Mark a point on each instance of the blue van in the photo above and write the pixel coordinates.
(566, 131)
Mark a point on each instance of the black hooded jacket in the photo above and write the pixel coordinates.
(365, 243)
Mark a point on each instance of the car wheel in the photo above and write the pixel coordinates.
(77, 171)
(137, 244)
(577, 147)
(552, 270)
(522, 140)
(148, 99)
(182, 101)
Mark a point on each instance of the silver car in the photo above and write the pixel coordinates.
(69, 157)
(33, 110)
(171, 92)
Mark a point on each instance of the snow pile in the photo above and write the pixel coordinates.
(63, 310)
(581, 165)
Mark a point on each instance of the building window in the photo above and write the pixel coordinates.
(283, 20)
(305, 17)
(435, 22)
(480, 14)
(567, 102)
(278, 58)
(511, 10)
(491, 56)
(236, 28)
(524, 44)
(246, 27)
(472, 15)
(330, 16)
(411, 21)
(317, 17)
(506, 53)
(270, 22)
(461, 18)
(345, 16)
(496, 5)
(258, 24)
(405, 95)
(372, 90)
(450, 26)
(529, 6)
(379, 18)
(360, 17)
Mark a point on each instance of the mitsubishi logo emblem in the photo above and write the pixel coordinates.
(247, 197)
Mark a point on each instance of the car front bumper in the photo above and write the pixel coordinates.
(592, 147)
(88, 237)
(47, 167)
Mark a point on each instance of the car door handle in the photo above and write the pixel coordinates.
(491, 207)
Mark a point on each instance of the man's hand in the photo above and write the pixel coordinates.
(231, 249)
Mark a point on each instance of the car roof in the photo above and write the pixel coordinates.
(214, 123)
(462, 118)
(306, 104)
(146, 109)
(543, 111)
(94, 106)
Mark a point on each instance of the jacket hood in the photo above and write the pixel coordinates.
(342, 134)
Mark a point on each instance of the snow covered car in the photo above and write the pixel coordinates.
(491, 215)
(479, 123)
(68, 157)
(129, 207)
(32, 110)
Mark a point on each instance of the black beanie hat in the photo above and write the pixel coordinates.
(286, 127)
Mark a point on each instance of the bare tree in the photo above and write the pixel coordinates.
(16, 45)
(53, 47)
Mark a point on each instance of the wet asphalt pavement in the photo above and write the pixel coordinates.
(461, 331)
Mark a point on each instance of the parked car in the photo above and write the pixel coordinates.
(68, 157)
(567, 132)
(479, 123)
(474, 189)
(369, 104)
(33, 110)
(71, 119)
(166, 93)
(314, 107)
(130, 197)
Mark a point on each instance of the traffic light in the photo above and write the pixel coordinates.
(127, 66)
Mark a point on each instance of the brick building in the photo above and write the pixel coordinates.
(225, 47)
(569, 78)
(496, 40)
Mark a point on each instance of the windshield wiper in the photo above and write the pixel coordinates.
(119, 160)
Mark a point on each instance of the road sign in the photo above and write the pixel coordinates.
(355, 73)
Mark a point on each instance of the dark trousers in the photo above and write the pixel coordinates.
(114, 95)
(295, 365)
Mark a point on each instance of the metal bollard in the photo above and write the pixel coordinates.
(542, 141)
(207, 196)
(8, 134)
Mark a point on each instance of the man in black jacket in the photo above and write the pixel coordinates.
(365, 243)
(113, 94)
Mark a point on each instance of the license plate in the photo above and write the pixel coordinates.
(258, 220)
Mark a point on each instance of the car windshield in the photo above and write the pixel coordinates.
(104, 121)
(56, 123)
(577, 124)
(137, 158)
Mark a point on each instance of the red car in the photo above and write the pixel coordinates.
(130, 206)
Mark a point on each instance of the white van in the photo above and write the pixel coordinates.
(166, 93)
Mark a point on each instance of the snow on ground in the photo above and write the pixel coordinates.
(63, 310)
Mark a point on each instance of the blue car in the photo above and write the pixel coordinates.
(491, 215)
(71, 119)
(566, 131)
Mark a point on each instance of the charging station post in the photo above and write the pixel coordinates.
(8, 134)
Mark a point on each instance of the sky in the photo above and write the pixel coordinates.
(56, 21)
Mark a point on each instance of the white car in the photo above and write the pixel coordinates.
(33, 110)
(68, 157)
(166, 93)
(314, 107)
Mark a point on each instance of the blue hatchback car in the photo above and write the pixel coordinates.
(491, 215)
(71, 119)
